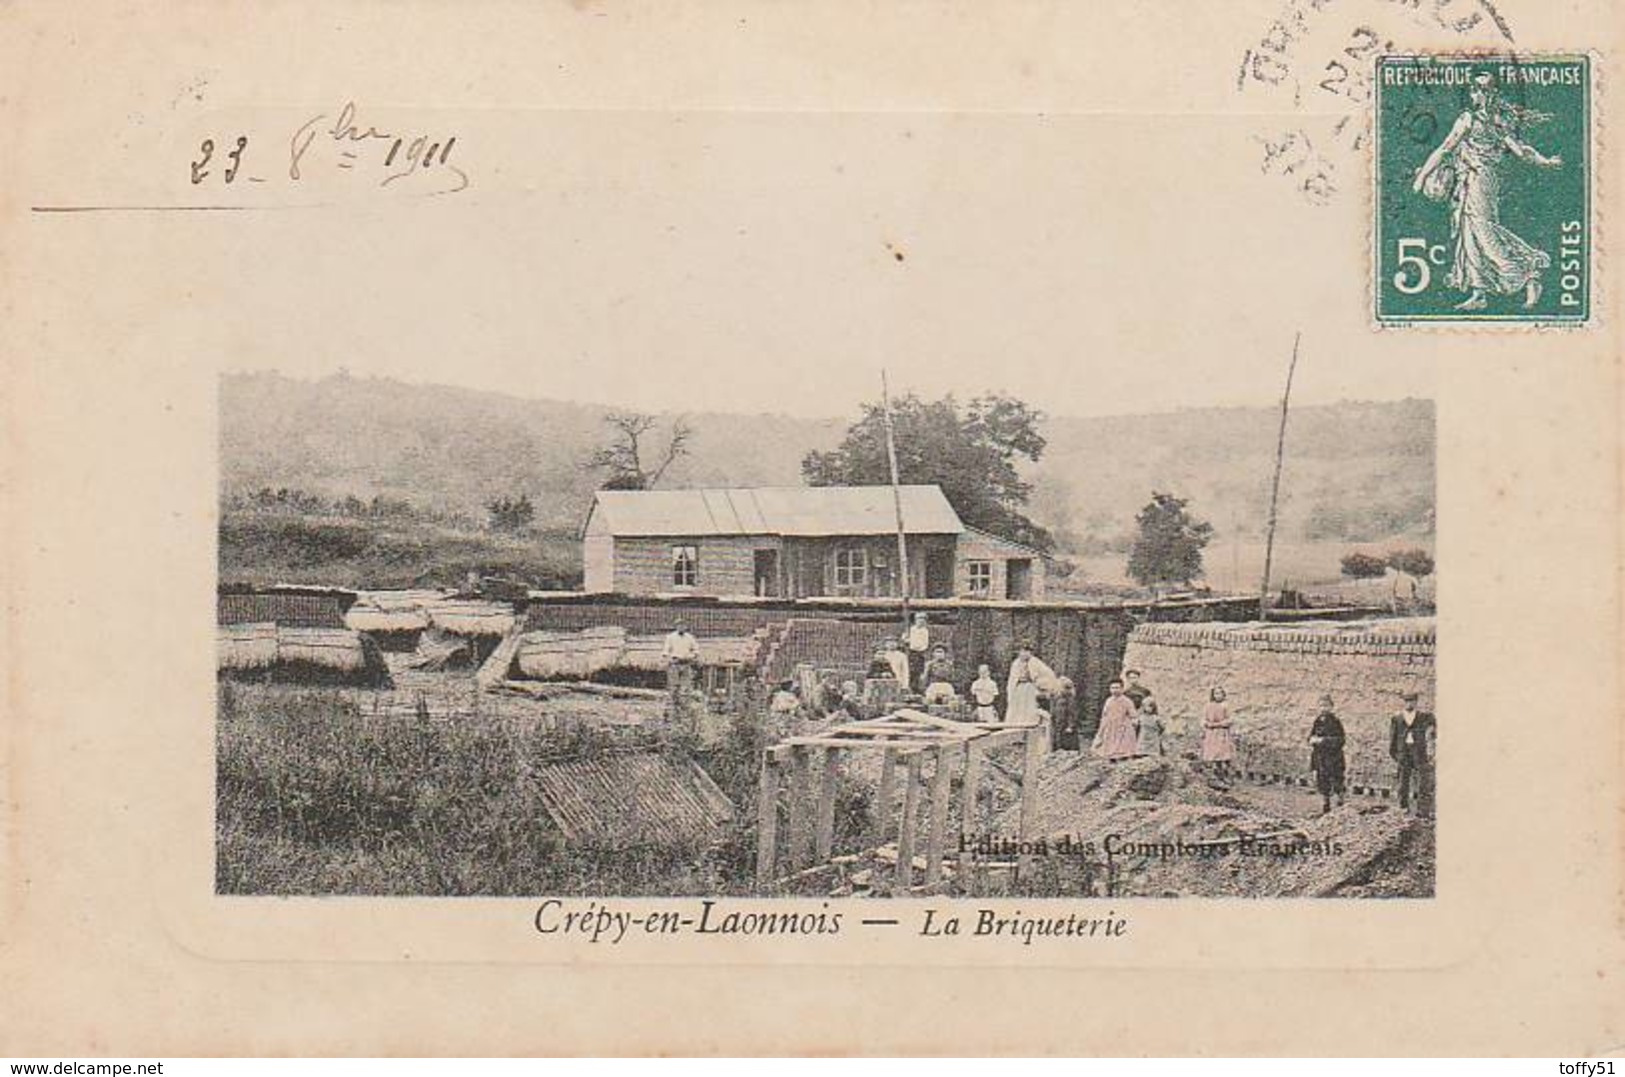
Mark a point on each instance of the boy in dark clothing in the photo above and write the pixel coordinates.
(1326, 755)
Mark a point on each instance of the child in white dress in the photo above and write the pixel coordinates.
(983, 691)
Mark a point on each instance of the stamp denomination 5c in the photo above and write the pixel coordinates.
(1483, 198)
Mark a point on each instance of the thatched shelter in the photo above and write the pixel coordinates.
(394, 620)
(483, 624)
(610, 653)
(298, 655)
(246, 646)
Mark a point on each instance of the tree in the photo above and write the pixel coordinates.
(1362, 566)
(1168, 547)
(622, 459)
(1416, 562)
(511, 513)
(972, 453)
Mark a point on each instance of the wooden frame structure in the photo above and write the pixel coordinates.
(907, 739)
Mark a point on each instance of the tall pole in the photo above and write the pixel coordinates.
(1275, 485)
(896, 494)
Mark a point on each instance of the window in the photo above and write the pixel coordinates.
(685, 566)
(851, 568)
(981, 578)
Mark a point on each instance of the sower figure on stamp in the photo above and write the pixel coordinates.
(1488, 257)
(1326, 755)
(1412, 742)
(681, 652)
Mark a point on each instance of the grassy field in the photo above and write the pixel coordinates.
(316, 795)
(259, 547)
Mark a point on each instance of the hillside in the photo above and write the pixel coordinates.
(1356, 472)
(454, 450)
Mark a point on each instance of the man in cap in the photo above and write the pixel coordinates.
(1412, 742)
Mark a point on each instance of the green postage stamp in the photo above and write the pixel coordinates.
(1483, 199)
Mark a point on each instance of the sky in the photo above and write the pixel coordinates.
(777, 261)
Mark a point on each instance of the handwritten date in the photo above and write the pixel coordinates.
(344, 144)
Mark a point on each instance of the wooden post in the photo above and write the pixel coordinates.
(905, 831)
(1275, 487)
(800, 795)
(968, 875)
(939, 816)
(826, 804)
(897, 498)
(884, 796)
(767, 818)
(1029, 796)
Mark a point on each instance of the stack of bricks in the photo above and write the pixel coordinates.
(1274, 677)
(824, 643)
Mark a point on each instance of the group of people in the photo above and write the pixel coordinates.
(1131, 724)
(1412, 744)
(936, 680)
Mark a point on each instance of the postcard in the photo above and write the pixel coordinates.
(834, 528)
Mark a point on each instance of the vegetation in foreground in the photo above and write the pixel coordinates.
(315, 796)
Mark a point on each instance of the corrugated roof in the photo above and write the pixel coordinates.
(999, 540)
(805, 511)
(614, 801)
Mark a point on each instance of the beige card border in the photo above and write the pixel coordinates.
(107, 916)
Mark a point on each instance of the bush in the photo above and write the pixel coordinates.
(1360, 566)
(1417, 562)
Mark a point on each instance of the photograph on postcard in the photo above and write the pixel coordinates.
(963, 617)
(797, 526)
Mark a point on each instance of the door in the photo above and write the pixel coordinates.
(767, 573)
(939, 574)
(1019, 578)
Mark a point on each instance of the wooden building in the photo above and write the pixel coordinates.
(796, 542)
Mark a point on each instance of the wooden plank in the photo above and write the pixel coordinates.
(1002, 736)
(938, 827)
(905, 829)
(884, 719)
(897, 729)
(767, 818)
(800, 795)
(825, 840)
(970, 787)
(909, 743)
(1029, 796)
(922, 718)
(881, 811)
